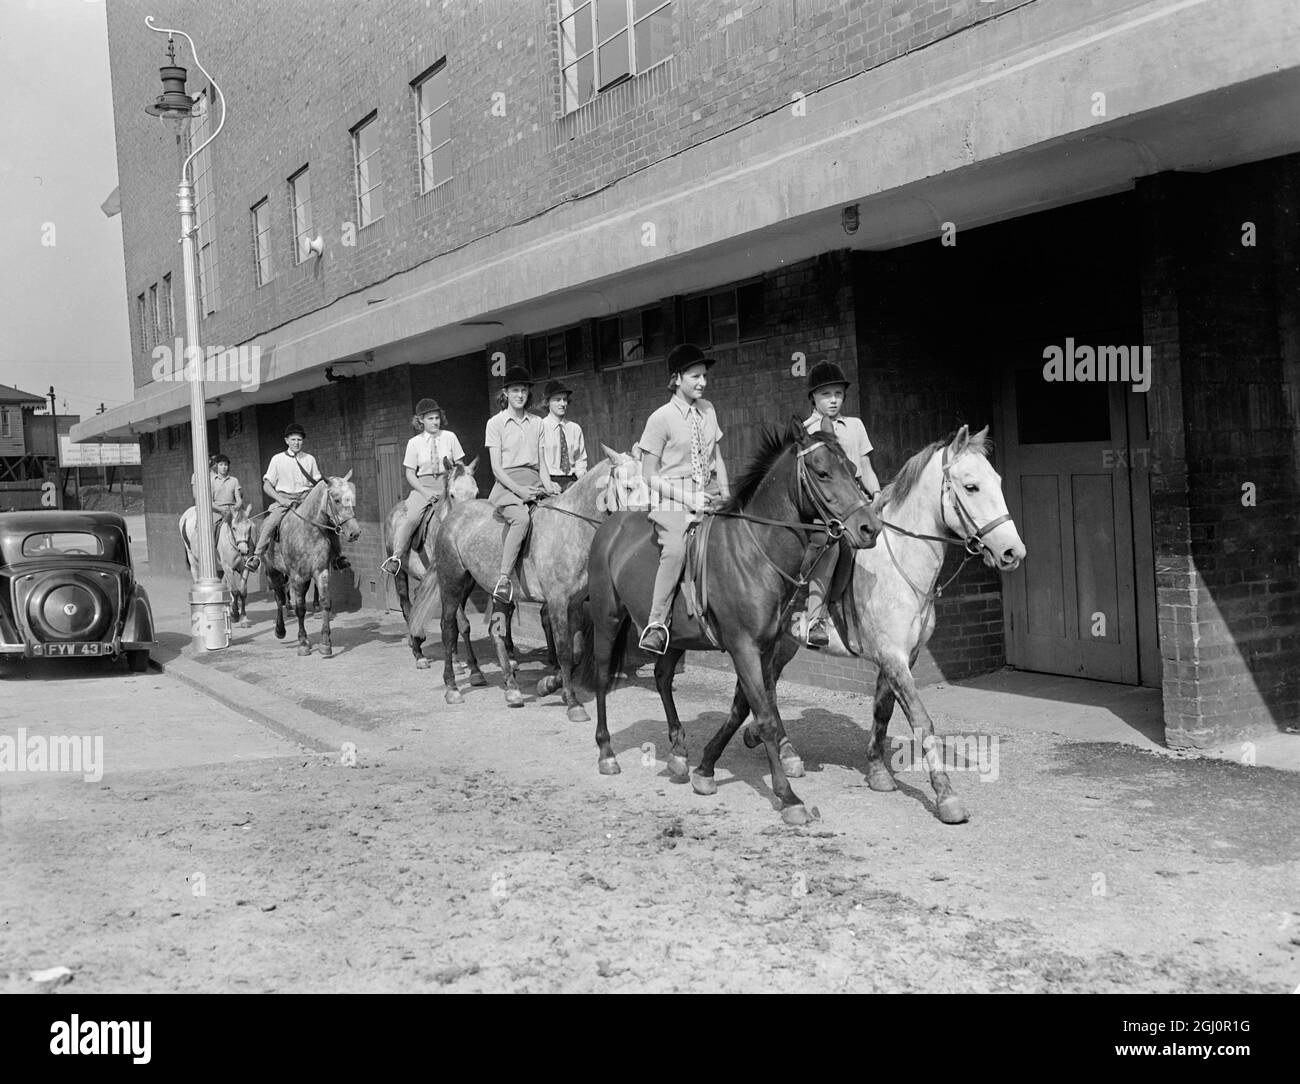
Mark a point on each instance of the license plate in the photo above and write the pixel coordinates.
(74, 649)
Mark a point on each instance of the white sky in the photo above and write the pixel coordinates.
(63, 314)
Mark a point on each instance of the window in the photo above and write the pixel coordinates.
(631, 338)
(370, 184)
(557, 353)
(142, 328)
(300, 201)
(168, 311)
(205, 209)
(233, 423)
(6, 424)
(155, 315)
(433, 124)
(262, 242)
(603, 42)
(62, 544)
(724, 317)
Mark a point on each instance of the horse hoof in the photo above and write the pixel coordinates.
(703, 784)
(795, 814)
(548, 685)
(608, 766)
(578, 714)
(454, 696)
(880, 779)
(279, 634)
(305, 649)
(793, 767)
(245, 624)
(679, 769)
(477, 679)
(422, 663)
(514, 698)
(752, 740)
(951, 811)
(327, 652)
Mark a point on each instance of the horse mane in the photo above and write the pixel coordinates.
(902, 484)
(772, 444)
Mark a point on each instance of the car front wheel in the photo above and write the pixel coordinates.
(138, 661)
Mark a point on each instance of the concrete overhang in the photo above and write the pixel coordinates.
(998, 121)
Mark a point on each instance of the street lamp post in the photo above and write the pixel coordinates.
(209, 600)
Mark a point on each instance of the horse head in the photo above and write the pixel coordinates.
(972, 501)
(828, 487)
(461, 485)
(341, 507)
(241, 529)
(625, 489)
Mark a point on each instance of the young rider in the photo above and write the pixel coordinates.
(827, 386)
(227, 493)
(513, 439)
(564, 453)
(424, 462)
(289, 477)
(683, 469)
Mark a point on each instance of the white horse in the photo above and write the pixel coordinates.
(233, 538)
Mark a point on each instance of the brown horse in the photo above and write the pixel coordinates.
(758, 554)
(458, 484)
(948, 494)
(305, 550)
(234, 542)
(552, 571)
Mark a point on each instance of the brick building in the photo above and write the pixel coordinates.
(931, 193)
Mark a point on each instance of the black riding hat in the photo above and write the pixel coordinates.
(823, 373)
(294, 428)
(517, 374)
(554, 388)
(686, 355)
(427, 406)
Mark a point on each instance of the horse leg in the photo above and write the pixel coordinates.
(879, 777)
(774, 663)
(277, 587)
(299, 589)
(551, 681)
(476, 677)
(608, 628)
(665, 665)
(402, 585)
(755, 682)
(499, 624)
(452, 601)
(899, 673)
(327, 609)
(566, 647)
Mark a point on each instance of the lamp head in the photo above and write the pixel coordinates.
(173, 104)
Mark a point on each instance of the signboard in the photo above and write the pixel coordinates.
(97, 455)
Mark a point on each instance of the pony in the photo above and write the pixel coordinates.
(756, 556)
(552, 571)
(947, 494)
(234, 542)
(305, 550)
(458, 484)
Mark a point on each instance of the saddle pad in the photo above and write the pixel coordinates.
(695, 586)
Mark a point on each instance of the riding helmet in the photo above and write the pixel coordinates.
(686, 355)
(826, 372)
(294, 429)
(427, 406)
(554, 388)
(517, 374)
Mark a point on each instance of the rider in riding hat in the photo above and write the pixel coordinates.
(827, 386)
(564, 453)
(513, 438)
(227, 493)
(289, 477)
(683, 469)
(426, 454)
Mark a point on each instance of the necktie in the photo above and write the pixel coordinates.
(697, 449)
(565, 466)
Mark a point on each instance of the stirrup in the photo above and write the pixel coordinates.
(649, 647)
(253, 563)
(395, 562)
(509, 596)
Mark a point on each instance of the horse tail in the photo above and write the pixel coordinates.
(584, 666)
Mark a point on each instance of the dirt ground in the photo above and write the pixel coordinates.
(475, 848)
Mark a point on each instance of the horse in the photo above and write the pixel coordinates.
(458, 484)
(757, 557)
(946, 494)
(304, 552)
(234, 542)
(552, 571)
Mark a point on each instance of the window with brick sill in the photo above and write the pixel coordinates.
(433, 126)
(630, 338)
(368, 175)
(606, 42)
(557, 353)
(724, 317)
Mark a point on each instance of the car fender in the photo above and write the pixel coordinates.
(137, 625)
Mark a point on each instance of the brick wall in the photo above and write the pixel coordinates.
(1221, 317)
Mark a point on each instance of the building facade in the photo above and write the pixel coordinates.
(971, 207)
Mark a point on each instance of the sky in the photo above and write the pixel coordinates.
(63, 304)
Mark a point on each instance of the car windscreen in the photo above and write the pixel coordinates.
(63, 544)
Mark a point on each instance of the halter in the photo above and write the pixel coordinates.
(333, 523)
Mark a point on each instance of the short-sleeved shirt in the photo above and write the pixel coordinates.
(292, 474)
(223, 490)
(519, 441)
(425, 452)
(668, 435)
(851, 434)
(551, 426)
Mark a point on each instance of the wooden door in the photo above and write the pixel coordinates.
(1072, 609)
(389, 487)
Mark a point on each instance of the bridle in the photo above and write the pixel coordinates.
(332, 522)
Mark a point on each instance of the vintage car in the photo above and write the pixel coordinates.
(67, 589)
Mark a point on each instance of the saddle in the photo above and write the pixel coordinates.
(695, 576)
